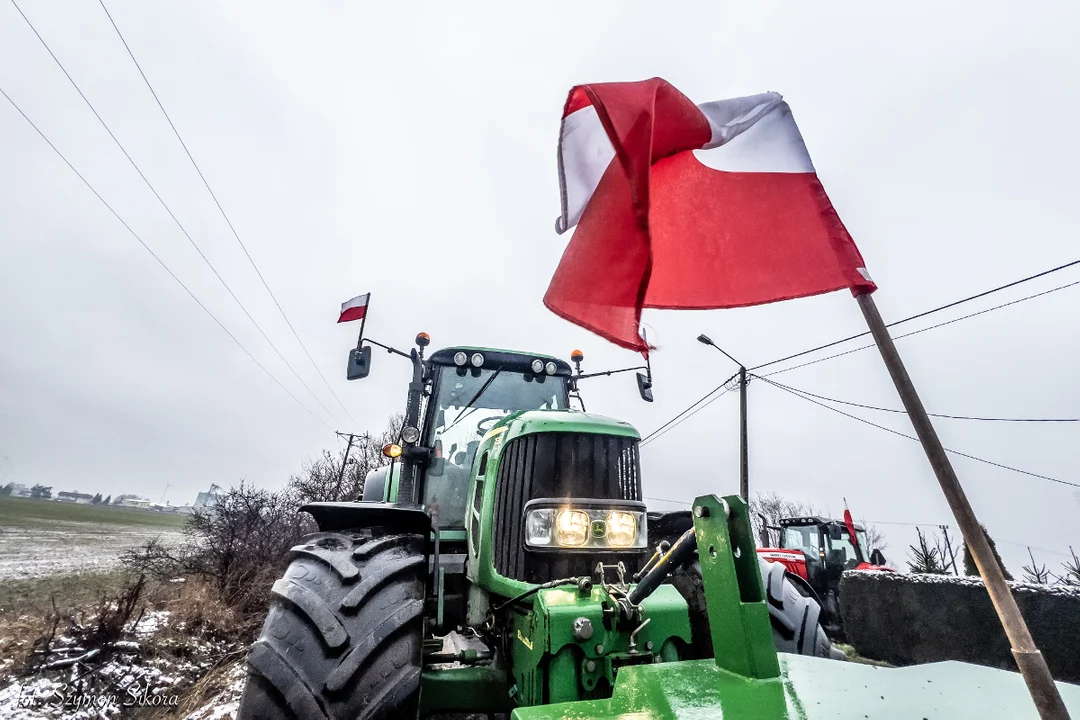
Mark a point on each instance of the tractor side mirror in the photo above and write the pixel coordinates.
(644, 385)
(359, 363)
(877, 558)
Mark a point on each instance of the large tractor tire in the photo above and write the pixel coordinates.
(344, 633)
(795, 618)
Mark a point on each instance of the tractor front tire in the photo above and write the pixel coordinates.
(795, 616)
(344, 633)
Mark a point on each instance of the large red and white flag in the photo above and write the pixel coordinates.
(354, 309)
(689, 206)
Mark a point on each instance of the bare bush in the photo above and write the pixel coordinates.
(335, 476)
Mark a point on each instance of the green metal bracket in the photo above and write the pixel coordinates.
(738, 616)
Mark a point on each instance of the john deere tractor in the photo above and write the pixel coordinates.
(505, 564)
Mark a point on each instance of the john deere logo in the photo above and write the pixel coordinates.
(599, 528)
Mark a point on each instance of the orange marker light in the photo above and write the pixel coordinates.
(423, 339)
(391, 450)
(577, 356)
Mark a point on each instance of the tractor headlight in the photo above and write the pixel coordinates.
(477, 359)
(551, 368)
(621, 528)
(585, 524)
(460, 358)
(571, 528)
(538, 366)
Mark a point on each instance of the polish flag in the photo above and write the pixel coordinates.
(689, 206)
(354, 309)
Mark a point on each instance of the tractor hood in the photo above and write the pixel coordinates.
(536, 421)
(808, 688)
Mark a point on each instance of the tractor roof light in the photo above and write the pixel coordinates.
(538, 366)
(392, 450)
(460, 358)
(551, 368)
(423, 339)
(577, 356)
(477, 360)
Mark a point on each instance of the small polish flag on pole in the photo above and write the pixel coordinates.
(354, 309)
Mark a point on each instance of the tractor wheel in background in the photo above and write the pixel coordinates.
(344, 633)
(795, 618)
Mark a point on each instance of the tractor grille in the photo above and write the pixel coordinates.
(560, 465)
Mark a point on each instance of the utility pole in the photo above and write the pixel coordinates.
(744, 450)
(345, 460)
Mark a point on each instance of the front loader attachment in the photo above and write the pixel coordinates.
(748, 679)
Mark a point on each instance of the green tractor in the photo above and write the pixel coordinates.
(505, 564)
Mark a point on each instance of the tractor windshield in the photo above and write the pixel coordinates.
(802, 537)
(842, 552)
(457, 425)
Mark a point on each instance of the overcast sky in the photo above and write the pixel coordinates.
(409, 151)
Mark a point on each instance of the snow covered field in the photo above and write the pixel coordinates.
(67, 547)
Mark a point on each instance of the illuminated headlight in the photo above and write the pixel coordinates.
(585, 524)
(460, 358)
(538, 366)
(551, 368)
(477, 359)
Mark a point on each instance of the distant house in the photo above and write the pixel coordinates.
(74, 497)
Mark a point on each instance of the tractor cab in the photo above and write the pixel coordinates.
(471, 391)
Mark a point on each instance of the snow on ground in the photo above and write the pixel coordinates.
(65, 548)
(1023, 587)
(224, 705)
(145, 668)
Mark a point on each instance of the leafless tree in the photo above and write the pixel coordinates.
(323, 479)
(1034, 573)
(925, 558)
(1071, 576)
(773, 507)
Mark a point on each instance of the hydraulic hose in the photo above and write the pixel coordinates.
(672, 560)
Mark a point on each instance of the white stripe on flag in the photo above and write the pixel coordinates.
(584, 154)
(358, 301)
(763, 138)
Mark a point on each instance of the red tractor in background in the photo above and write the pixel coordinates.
(816, 552)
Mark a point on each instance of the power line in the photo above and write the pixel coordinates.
(921, 330)
(798, 393)
(169, 210)
(932, 311)
(156, 258)
(223, 213)
(718, 388)
(937, 415)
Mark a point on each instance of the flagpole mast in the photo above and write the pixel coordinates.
(363, 321)
(1029, 659)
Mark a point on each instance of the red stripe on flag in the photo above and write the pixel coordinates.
(353, 313)
(724, 239)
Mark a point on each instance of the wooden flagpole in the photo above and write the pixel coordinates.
(1029, 659)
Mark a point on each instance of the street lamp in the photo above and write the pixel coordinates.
(744, 460)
